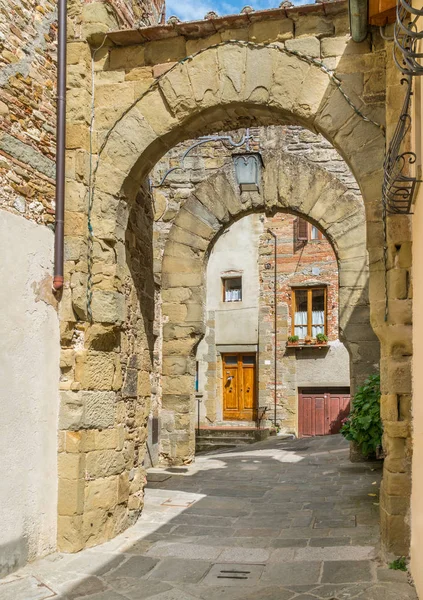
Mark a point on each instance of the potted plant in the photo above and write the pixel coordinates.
(293, 340)
(322, 338)
(308, 340)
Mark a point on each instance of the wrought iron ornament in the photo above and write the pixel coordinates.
(398, 182)
(406, 39)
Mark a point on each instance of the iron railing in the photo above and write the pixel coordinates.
(399, 183)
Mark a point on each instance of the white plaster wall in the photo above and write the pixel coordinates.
(236, 251)
(29, 377)
(331, 369)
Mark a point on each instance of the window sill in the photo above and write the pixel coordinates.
(301, 346)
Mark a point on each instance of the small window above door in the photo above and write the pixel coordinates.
(232, 289)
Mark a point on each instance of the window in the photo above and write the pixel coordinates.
(309, 312)
(232, 289)
(305, 231)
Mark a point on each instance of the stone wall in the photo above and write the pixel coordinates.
(27, 109)
(156, 89)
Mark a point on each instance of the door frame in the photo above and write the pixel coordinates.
(239, 356)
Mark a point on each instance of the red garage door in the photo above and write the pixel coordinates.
(321, 411)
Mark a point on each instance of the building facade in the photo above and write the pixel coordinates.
(238, 354)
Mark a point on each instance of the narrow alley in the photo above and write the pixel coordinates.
(276, 520)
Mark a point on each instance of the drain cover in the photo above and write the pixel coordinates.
(234, 574)
(230, 574)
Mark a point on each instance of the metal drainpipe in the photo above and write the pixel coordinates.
(60, 147)
(275, 274)
(358, 12)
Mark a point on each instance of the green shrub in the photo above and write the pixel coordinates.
(293, 338)
(364, 425)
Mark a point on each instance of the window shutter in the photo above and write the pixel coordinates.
(302, 230)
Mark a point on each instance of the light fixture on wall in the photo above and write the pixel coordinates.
(248, 168)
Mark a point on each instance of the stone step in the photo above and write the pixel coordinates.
(220, 438)
(234, 432)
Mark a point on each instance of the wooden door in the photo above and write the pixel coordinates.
(239, 387)
(321, 413)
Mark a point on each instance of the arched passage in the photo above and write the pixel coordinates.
(221, 87)
(317, 196)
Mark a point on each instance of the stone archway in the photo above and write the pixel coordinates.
(316, 195)
(223, 86)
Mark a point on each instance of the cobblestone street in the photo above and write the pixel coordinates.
(277, 520)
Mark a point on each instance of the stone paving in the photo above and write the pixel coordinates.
(277, 520)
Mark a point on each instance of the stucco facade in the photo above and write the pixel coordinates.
(28, 392)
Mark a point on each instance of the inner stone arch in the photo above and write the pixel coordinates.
(318, 196)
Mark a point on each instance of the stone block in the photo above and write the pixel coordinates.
(270, 31)
(75, 247)
(73, 441)
(394, 505)
(78, 52)
(204, 89)
(397, 429)
(70, 496)
(164, 51)
(143, 383)
(78, 106)
(104, 463)
(396, 484)
(101, 493)
(398, 282)
(395, 532)
(406, 407)
(316, 25)
(333, 46)
(127, 57)
(99, 409)
(389, 407)
(399, 230)
(95, 370)
(108, 307)
(75, 224)
(71, 411)
(69, 533)
(177, 403)
(103, 338)
(129, 389)
(176, 313)
(71, 466)
(177, 384)
(309, 46)
(123, 488)
(174, 365)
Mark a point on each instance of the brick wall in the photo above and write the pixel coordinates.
(28, 34)
(298, 264)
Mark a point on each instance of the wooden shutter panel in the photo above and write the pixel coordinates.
(302, 230)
